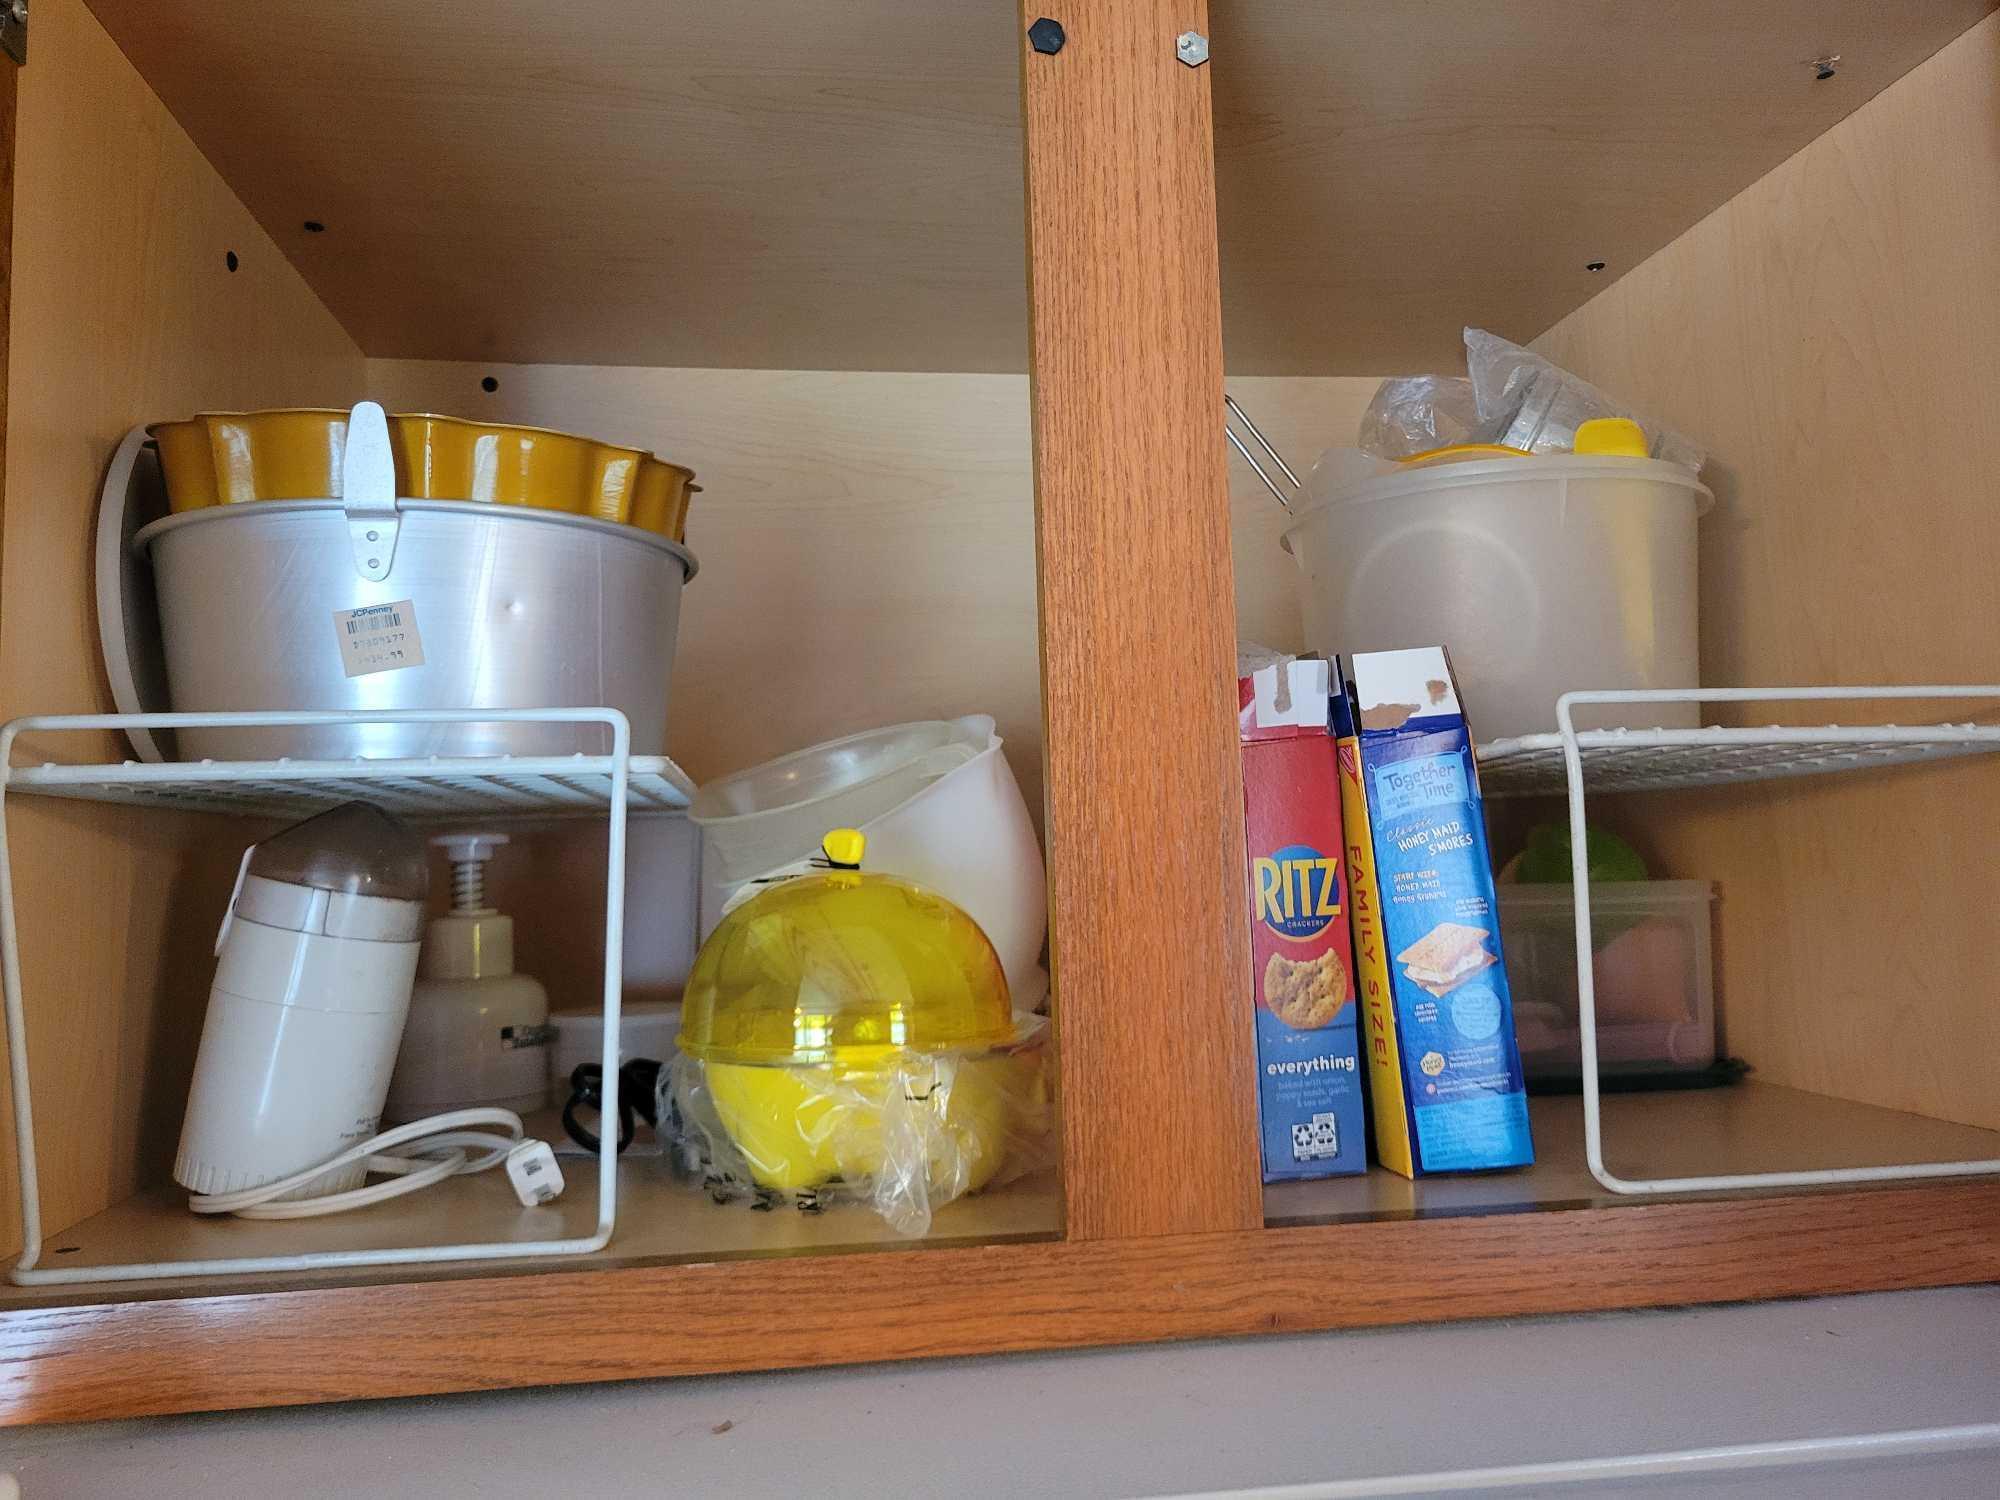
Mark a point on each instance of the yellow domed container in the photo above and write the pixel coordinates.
(843, 1023)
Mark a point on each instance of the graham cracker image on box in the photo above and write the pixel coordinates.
(1308, 995)
(1446, 956)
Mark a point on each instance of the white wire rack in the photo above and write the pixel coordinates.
(1640, 759)
(428, 790)
(1644, 760)
(454, 787)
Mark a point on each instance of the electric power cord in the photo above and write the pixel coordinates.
(414, 1156)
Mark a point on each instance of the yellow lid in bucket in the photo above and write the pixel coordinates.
(1613, 437)
(1462, 453)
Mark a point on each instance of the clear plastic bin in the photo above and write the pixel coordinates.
(1654, 971)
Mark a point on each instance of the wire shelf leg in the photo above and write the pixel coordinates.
(1586, 979)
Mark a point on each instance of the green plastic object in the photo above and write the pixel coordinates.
(1546, 860)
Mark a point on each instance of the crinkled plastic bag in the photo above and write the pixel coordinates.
(905, 1137)
(1526, 402)
(1414, 414)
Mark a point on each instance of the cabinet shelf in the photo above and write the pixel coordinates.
(1749, 1127)
(780, 213)
(662, 1220)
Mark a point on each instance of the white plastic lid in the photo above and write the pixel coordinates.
(818, 772)
(350, 872)
(1325, 489)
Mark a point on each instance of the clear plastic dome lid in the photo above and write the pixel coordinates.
(353, 849)
(845, 967)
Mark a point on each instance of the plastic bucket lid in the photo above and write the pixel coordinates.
(793, 783)
(1493, 474)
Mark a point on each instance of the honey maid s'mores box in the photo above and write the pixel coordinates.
(1309, 1108)
(1437, 1025)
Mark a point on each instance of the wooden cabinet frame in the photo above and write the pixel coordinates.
(1164, 1220)
(1148, 929)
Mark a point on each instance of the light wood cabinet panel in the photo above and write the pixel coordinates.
(124, 310)
(1833, 336)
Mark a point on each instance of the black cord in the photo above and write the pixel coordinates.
(638, 1079)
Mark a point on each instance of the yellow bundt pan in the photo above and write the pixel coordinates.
(224, 458)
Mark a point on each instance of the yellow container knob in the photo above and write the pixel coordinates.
(844, 847)
(1612, 437)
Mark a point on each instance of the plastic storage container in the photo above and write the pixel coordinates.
(760, 819)
(853, 1032)
(1655, 977)
(939, 805)
(1539, 575)
(646, 1028)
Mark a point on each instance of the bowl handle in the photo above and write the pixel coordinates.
(368, 492)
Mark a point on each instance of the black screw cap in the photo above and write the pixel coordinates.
(1046, 35)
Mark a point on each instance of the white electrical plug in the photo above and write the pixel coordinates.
(532, 1168)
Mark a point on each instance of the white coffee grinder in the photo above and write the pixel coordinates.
(318, 951)
(317, 955)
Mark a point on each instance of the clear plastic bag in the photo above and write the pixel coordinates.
(905, 1136)
(1526, 402)
(1414, 414)
(1512, 397)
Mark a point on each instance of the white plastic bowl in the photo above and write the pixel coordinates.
(756, 820)
(1538, 575)
(962, 831)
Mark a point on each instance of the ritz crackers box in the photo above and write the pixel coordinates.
(1444, 1072)
(1308, 1068)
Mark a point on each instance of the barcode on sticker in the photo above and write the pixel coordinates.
(378, 638)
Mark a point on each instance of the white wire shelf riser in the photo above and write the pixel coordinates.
(440, 787)
(1792, 752)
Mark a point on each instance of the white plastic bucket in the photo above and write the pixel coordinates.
(756, 820)
(1538, 575)
(940, 807)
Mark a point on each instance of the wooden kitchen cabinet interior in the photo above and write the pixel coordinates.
(983, 469)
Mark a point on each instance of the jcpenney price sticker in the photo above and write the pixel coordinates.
(378, 638)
